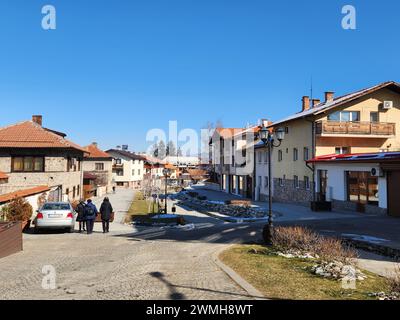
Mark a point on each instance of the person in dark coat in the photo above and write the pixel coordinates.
(80, 209)
(90, 215)
(106, 210)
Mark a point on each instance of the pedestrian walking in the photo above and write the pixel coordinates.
(80, 209)
(106, 210)
(113, 189)
(90, 215)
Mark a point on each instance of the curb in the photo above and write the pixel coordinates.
(253, 292)
(221, 217)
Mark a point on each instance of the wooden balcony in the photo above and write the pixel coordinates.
(356, 129)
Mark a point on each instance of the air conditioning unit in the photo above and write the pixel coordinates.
(387, 105)
(377, 172)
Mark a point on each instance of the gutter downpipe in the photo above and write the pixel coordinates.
(312, 167)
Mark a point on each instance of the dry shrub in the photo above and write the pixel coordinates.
(332, 249)
(303, 240)
(394, 281)
(295, 239)
(19, 210)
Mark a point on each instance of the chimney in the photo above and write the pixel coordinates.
(37, 119)
(315, 102)
(306, 103)
(94, 144)
(329, 96)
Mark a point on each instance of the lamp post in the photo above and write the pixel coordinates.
(165, 172)
(269, 139)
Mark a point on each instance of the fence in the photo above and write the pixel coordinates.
(10, 238)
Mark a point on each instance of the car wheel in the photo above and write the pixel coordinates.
(36, 230)
(71, 230)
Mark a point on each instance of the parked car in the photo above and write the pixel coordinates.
(55, 215)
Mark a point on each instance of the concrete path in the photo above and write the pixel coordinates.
(121, 202)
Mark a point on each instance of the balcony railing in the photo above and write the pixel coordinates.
(333, 128)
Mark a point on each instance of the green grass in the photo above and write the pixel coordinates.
(282, 278)
(143, 211)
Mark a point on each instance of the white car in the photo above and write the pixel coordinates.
(55, 215)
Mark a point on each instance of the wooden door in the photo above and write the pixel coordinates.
(393, 193)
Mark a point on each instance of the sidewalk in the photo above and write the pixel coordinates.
(121, 202)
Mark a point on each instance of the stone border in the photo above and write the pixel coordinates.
(374, 248)
(253, 292)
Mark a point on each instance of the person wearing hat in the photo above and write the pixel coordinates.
(106, 210)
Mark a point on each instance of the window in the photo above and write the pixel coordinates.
(295, 154)
(259, 181)
(307, 182)
(305, 154)
(73, 192)
(138, 172)
(374, 116)
(259, 157)
(286, 130)
(280, 180)
(99, 166)
(133, 172)
(345, 116)
(362, 188)
(78, 190)
(67, 192)
(280, 155)
(265, 157)
(27, 164)
(71, 164)
(265, 182)
(342, 150)
(120, 172)
(118, 161)
(296, 181)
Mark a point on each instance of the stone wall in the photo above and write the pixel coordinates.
(290, 194)
(339, 205)
(55, 173)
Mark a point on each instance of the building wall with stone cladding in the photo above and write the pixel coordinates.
(55, 173)
(287, 192)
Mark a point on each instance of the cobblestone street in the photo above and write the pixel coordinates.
(152, 263)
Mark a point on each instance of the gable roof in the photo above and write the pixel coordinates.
(3, 175)
(126, 154)
(339, 101)
(23, 193)
(28, 134)
(96, 153)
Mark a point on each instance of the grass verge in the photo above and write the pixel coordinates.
(282, 278)
(143, 211)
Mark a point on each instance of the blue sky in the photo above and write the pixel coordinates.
(112, 70)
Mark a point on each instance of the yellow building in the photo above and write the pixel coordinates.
(360, 122)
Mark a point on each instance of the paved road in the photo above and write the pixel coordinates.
(125, 264)
(137, 263)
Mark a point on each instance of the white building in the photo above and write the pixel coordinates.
(261, 191)
(360, 182)
(128, 168)
(179, 161)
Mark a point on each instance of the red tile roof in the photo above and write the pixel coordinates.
(95, 152)
(3, 175)
(23, 193)
(358, 157)
(28, 134)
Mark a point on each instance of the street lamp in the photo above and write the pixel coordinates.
(269, 139)
(165, 173)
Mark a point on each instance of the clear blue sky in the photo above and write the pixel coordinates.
(114, 69)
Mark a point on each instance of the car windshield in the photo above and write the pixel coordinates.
(56, 206)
